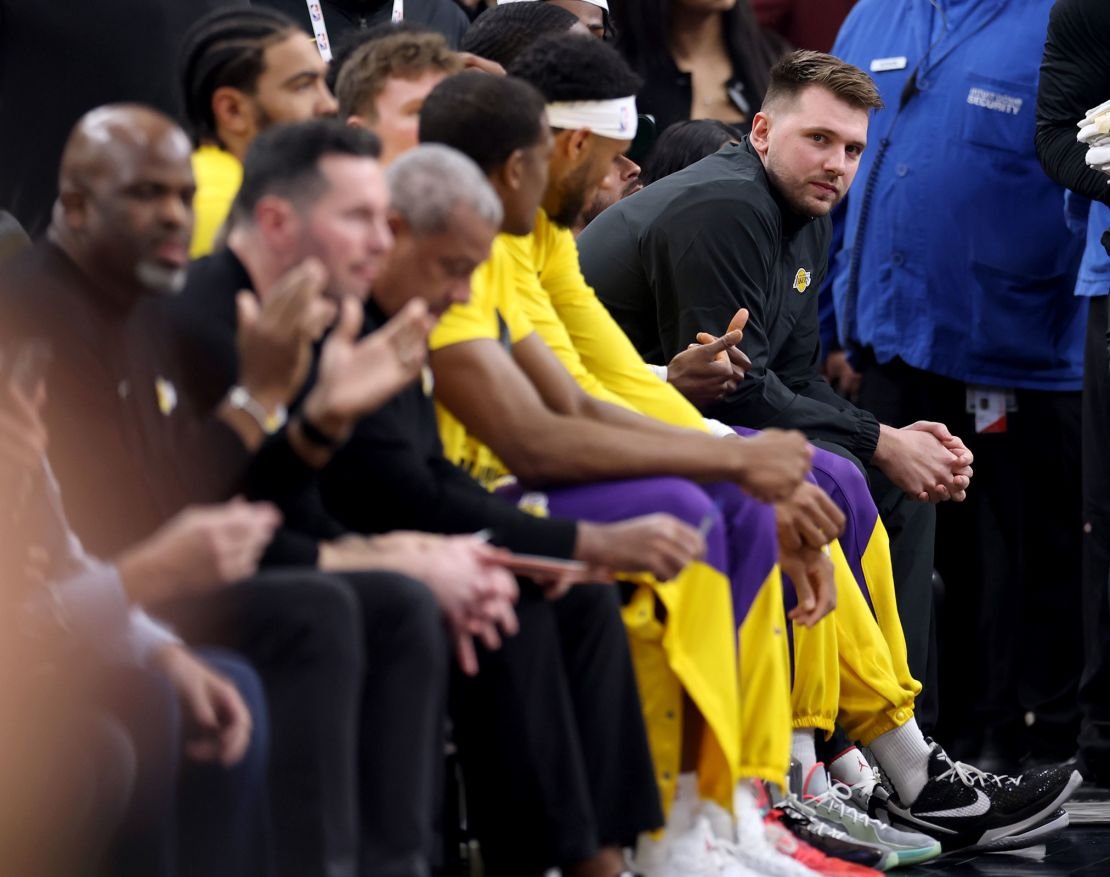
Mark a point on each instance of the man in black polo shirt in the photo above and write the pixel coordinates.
(539, 769)
(130, 448)
(748, 227)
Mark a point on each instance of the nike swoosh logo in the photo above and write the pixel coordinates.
(982, 805)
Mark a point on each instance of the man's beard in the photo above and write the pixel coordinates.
(262, 119)
(797, 204)
(160, 279)
(573, 192)
(598, 206)
(570, 209)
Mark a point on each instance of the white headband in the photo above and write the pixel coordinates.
(604, 4)
(607, 118)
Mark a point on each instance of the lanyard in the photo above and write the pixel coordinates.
(320, 29)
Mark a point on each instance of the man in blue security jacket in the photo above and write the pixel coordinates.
(952, 275)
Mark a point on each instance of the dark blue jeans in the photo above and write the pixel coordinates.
(186, 818)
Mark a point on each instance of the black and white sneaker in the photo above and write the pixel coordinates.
(967, 809)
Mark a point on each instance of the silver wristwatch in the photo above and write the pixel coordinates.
(268, 421)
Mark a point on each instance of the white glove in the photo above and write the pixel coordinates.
(1094, 131)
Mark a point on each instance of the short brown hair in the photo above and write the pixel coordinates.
(801, 69)
(396, 56)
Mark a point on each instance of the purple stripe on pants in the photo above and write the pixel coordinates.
(752, 542)
(740, 544)
(847, 487)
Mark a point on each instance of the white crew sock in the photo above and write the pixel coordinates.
(803, 750)
(904, 755)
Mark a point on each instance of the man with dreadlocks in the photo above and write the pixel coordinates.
(242, 71)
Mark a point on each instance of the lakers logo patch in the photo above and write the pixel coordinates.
(167, 396)
(534, 504)
(802, 280)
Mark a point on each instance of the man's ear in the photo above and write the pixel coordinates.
(233, 112)
(511, 173)
(761, 133)
(396, 222)
(72, 207)
(571, 145)
(277, 222)
(356, 121)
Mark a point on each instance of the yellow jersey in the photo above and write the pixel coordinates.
(493, 313)
(572, 321)
(218, 175)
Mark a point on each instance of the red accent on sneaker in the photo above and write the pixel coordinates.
(762, 797)
(802, 853)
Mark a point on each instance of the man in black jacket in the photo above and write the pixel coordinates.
(130, 449)
(1075, 77)
(748, 227)
(519, 737)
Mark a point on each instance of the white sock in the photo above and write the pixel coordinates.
(816, 782)
(721, 822)
(904, 755)
(749, 816)
(803, 750)
(685, 805)
(851, 768)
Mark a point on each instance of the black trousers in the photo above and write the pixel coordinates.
(355, 669)
(1009, 629)
(1094, 688)
(552, 740)
(911, 526)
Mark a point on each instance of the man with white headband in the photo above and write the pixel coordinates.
(508, 405)
(592, 13)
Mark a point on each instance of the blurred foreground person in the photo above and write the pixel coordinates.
(118, 396)
(136, 700)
